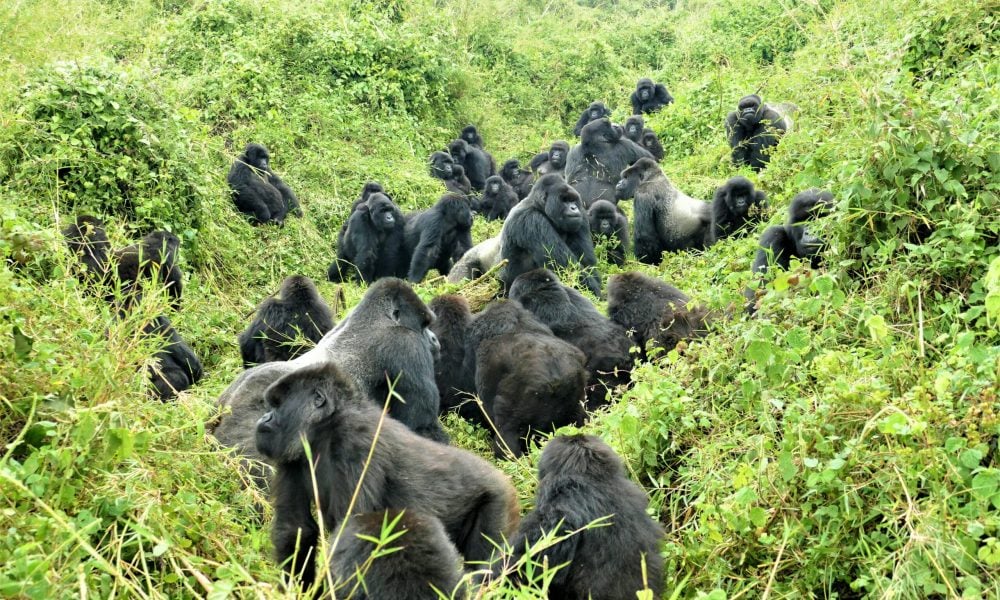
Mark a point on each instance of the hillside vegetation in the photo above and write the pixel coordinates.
(842, 444)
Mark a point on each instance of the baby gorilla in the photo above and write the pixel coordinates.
(498, 198)
(610, 224)
(736, 203)
(581, 479)
(177, 367)
(552, 161)
(416, 564)
(444, 167)
(754, 129)
(320, 405)
(521, 180)
(281, 323)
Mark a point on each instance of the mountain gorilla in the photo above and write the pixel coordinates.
(384, 342)
(176, 366)
(651, 142)
(471, 135)
(320, 403)
(633, 128)
(580, 480)
(88, 241)
(281, 323)
(573, 318)
(649, 97)
(419, 562)
(478, 164)
(609, 223)
(443, 167)
(779, 245)
(153, 258)
(371, 244)
(552, 161)
(519, 179)
(455, 383)
(475, 262)
(497, 200)
(548, 228)
(257, 191)
(595, 111)
(594, 166)
(437, 236)
(753, 128)
(663, 217)
(736, 204)
(528, 380)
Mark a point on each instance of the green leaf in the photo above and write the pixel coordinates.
(985, 484)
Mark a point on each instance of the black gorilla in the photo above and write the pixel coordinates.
(443, 167)
(478, 164)
(88, 241)
(552, 161)
(519, 179)
(437, 236)
(581, 479)
(548, 228)
(154, 258)
(595, 111)
(649, 97)
(497, 200)
(475, 262)
(651, 142)
(633, 128)
(779, 245)
(383, 343)
(573, 318)
(416, 564)
(663, 217)
(281, 323)
(594, 166)
(736, 204)
(257, 191)
(471, 135)
(371, 246)
(529, 381)
(176, 367)
(653, 310)
(321, 403)
(455, 383)
(753, 128)
(609, 223)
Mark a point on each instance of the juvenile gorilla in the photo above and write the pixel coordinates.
(154, 258)
(573, 318)
(443, 167)
(594, 166)
(581, 479)
(663, 217)
(498, 198)
(321, 403)
(438, 236)
(548, 228)
(257, 191)
(529, 381)
(281, 322)
(552, 161)
(475, 262)
(455, 383)
(649, 97)
(471, 135)
(736, 204)
(88, 241)
(177, 368)
(595, 111)
(633, 128)
(478, 164)
(609, 223)
(371, 246)
(518, 178)
(415, 565)
(753, 129)
(651, 142)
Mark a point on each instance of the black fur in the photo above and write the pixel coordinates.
(155, 259)
(551, 161)
(478, 163)
(649, 97)
(257, 190)
(471, 135)
(282, 322)
(519, 179)
(444, 167)
(176, 368)
(594, 166)
(609, 223)
(456, 384)
(651, 142)
(753, 129)
(371, 246)
(497, 200)
(633, 128)
(595, 111)
(438, 236)
(88, 241)
(736, 204)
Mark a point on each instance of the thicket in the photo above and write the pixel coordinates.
(842, 444)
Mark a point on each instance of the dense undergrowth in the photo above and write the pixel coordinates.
(841, 445)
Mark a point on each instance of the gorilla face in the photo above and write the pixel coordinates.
(598, 110)
(564, 207)
(257, 156)
(493, 184)
(457, 210)
(557, 154)
(470, 134)
(645, 89)
(382, 212)
(630, 179)
(459, 149)
(510, 169)
(604, 225)
(442, 165)
(748, 108)
(633, 128)
(739, 196)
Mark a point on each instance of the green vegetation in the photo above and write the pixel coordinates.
(843, 444)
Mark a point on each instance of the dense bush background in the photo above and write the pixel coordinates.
(842, 445)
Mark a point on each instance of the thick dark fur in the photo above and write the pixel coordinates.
(753, 129)
(595, 111)
(529, 381)
(609, 223)
(444, 167)
(497, 200)
(663, 217)
(416, 565)
(321, 403)
(371, 246)
(520, 179)
(649, 97)
(88, 241)
(475, 262)
(282, 321)
(385, 340)
(438, 236)
(573, 318)
(257, 191)
(549, 228)
(633, 128)
(736, 204)
(177, 367)
(651, 142)
(594, 166)
(551, 161)
(478, 163)
(455, 383)
(581, 479)
(471, 135)
(154, 258)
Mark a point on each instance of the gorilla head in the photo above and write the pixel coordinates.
(734, 204)
(257, 156)
(562, 205)
(634, 127)
(748, 108)
(471, 135)
(810, 204)
(442, 165)
(458, 149)
(650, 141)
(601, 130)
(644, 88)
(557, 154)
(382, 211)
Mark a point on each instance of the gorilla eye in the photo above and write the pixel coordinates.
(319, 401)
(395, 314)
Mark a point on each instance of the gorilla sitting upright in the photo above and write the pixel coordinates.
(594, 166)
(595, 111)
(257, 191)
(754, 129)
(649, 97)
(438, 236)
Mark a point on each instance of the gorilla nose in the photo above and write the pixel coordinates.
(389, 218)
(266, 421)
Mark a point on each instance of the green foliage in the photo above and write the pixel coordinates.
(946, 35)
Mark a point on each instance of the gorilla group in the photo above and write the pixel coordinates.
(754, 129)
(594, 166)
(257, 191)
